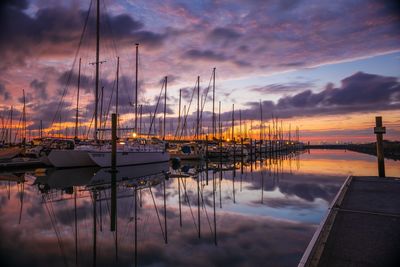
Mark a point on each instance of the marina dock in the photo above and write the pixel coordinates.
(362, 227)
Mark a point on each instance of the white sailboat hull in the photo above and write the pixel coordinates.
(70, 158)
(103, 159)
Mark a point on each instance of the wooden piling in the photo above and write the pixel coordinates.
(379, 130)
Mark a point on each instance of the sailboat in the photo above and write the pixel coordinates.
(134, 153)
(78, 156)
(137, 151)
(69, 158)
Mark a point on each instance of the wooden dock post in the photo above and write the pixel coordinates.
(379, 130)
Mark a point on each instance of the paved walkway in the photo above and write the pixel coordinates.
(362, 227)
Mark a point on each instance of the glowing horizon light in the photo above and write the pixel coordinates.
(134, 135)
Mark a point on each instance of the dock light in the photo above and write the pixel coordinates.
(122, 143)
(134, 135)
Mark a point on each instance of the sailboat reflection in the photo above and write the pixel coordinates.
(19, 180)
(103, 187)
(64, 179)
(133, 175)
(192, 190)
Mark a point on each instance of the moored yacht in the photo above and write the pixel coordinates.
(187, 151)
(72, 158)
(140, 151)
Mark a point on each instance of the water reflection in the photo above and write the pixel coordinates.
(195, 213)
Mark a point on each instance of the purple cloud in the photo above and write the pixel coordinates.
(360, 92)
(277, 88)
(4, 93)
(207, 55)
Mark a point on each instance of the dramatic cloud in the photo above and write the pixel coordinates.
(56, 31)
(207, 55)
(359, 89)
(360, 92)
(4, 93)
(224, 34)
(283, 88)
(272, 36)
(50, 113)
(40, 88)
(245, 40)
(87, 83)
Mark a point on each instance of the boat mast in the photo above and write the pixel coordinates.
(140, 118)
(11, 123)
(233, 122)
(179, 112)
(198, 107)
(136, 86)
(165, 105)
(77, 100)
(240, 123)
(213, 106)
(184, 128)
(101, 108)
(24, 118)
(261, 124)
(97, 67)
(219, 121)
(116, 97)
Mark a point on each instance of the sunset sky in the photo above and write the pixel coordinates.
(328, 67)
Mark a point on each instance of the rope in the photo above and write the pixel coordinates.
(73, 64)
(155, 111)
(187, 112)
(205, 94)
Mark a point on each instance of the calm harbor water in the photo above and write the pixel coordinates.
(263, 214)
